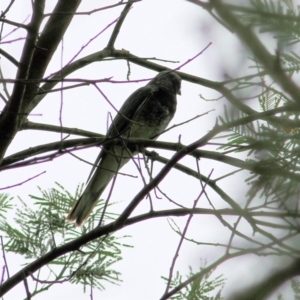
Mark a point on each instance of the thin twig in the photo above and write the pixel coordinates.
(61, 92)
(28, 294)
(92, 282)
(139, 168)
(191, 59)
(94, 10)
(4, 257)
(91, 40)
(63, 88)
(4, 87)
(12, 41)
(114, 35)
(3, 275)
(228, 174)
(9, 57)
(182, 123)
(3, 98)
(48, 281)
(183, 236)
(7, 9)
(20, 183)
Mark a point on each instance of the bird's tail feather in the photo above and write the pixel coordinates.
(83, 207)
(108, 167)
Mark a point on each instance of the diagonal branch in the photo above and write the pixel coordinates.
(9, 57)
(112, 40)
(177, 157)
(7, 9)
(36, 56)
(10, 117)
(19, 25)
(182, 236)
(263, 289)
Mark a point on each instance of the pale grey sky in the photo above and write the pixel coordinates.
(166, 29)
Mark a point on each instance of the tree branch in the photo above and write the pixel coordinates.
(9, 57)
(19, 25)
(28, 125)
(10, 116)
(264, 288)
(112, 40)
(110, 228)
(34, 61)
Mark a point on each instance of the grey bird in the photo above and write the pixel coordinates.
(145, 114)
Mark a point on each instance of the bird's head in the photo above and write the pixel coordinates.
(169, 80)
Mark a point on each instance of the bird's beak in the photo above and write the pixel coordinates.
(179, 92)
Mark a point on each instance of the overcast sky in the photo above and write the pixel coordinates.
(166, 29)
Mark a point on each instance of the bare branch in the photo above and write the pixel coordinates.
(7, 9)
(4, 257)
(28, 294)
(94, 10)
(112, 40)
(183, 237)
(53, 128)
(20, 183)
(10, 117)
(33, 63)
(19, 25)
(185, 122)
(9, 57)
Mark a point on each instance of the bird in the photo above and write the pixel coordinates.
(145, 114)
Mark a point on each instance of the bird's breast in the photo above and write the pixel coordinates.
(154, 115)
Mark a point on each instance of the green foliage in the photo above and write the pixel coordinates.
(290, 62)
(199, 289)
(272, 148)
(295, 284)
(5, 204)
(243, 137)
(42, 228)
(277, 17)
(279, 297)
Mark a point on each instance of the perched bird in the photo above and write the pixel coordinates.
(145, 114)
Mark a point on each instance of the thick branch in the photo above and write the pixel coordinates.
(35, 58)
(10, 117)
(48, 42)
(275, 170)
(264, 288)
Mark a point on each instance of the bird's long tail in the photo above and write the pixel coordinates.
(109, 165)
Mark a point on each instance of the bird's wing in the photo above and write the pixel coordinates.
(129, 109)
(126, 116)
